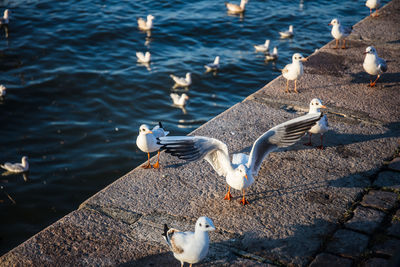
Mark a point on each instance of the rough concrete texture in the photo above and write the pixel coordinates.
(329, 260)
(297, 200)
(387, 247)
(388, 179)
(365, 220)
(376, 262)
(380, 200)
(395, 165)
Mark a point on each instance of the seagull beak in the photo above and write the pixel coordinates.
(322, 106)
(304, 59)
(365, 53)
(149, 132)
(330, 24)
(245, 176)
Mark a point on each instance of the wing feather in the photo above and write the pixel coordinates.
(282, 135)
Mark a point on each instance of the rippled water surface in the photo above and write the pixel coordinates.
(76, 95)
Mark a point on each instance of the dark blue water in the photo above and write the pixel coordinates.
(76, 95)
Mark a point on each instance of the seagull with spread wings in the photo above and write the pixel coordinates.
(241, 171)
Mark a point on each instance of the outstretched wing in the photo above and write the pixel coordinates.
(282, 135)
(193, 148)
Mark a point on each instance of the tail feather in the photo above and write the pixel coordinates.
(159, 123)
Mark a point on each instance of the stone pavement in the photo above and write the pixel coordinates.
(308, 207)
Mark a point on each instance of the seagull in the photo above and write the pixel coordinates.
(213, 66)
(373, 4)
(143, 58)
(272, 56)
(145, 25)
(240, 172)
(182, 82)
(262, 47)
(373, 64)
(147, 142)
(321, 126)
(6, 18)
(3, 90)
(17, 167)
(235, 9)
(294, 71)
(179, 100)
(339, 32)
(288, 33)
(190, 247)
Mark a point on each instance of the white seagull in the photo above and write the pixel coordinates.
(287, 34)
(373, 4)
(3, 90)
(213, 66)
(147, 142)
(262, 47)
(190, 247)
(17, 167)
(272, 56)
(321, 126)
(339, 32)
(145, 25)
(241, 171)
(182, 82)
(373, 64)
(179, 100)
(294, 71)
(236, 9)
(6, 18)
(143, 58)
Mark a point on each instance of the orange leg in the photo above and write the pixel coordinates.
(372, 84)
(287, 86)
(344, 44)
(376, 13)
(148, 165)
(157, 164)
(295, 86)
(228, 195)
(337, 44)
(243, 200)
(322, 144)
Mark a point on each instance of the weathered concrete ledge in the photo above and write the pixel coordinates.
(308, 207)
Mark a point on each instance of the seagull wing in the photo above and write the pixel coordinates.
(282, 135)
(382, 65)
(12, 167)
(140, 56)
(193, 148)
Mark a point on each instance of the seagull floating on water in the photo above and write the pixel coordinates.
(287, 34)
(182, 82)
(373, 64)
(3, 90)
(179, 100)
(143, 58)
(262, 47)
(321, 126)
(272, 56)
(236, 9)
(339, 32)
(6, 18)
(190, 247)
(147, 142)
(294, 70)
(17, 167)
(241, 171)
(373, 4)
(145, 25)
(213, 66)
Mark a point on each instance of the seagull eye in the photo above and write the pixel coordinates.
(200, 224)
(207, 226)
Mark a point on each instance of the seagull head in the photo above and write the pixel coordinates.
(205, 224)
(370, 50)
(315, 105)
(290, 28)
(24, 158)
(6, 14)
(298, 57)
(241, 171)
(334, 22)
(144, 129)
(185, 96)
(150, 17)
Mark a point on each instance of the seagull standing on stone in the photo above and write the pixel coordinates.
(241, 171)
(143, 58)
(3, 91)
(262, 47)
(190, 247)
(182, 82)
(321, 126)
(339, 32)
(236, 9)
(6, 18)
(373, 4)
(17, 167)
(147, 142)
(145, 25)
(272, 56)
(179, 100)
(373, 64)
(294, 71)
(213, 66)
(287, 34)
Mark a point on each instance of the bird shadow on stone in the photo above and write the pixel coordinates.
(364, 78)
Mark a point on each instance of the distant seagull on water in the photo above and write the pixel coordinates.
(182, 82)
(272, 56)
(287, 34)
(262, 47)
(3, 91)
(17, 167)
(236, 9)
(6, 18)
(212, 66)
(145, 25)
(179, 100)
(143, 58)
